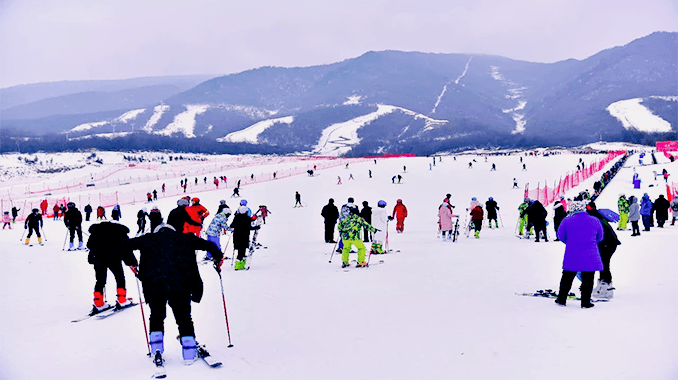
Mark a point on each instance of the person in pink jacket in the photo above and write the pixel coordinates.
(445, 220)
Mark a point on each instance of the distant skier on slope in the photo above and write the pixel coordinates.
(297, 198)
(492, 207)
(73, 221)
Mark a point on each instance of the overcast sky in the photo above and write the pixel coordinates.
(52, 40)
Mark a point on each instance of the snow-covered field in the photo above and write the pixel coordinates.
(433, 310)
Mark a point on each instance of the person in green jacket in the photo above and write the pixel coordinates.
(349, 228)
(522, 209)
(623, 205)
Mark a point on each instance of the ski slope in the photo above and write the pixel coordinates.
(433, 310)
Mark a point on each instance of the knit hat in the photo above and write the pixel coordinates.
(576, 207)
(182, 202)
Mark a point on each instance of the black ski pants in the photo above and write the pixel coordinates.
(242, 252)
(566, 285)
(540, 228)
(606, 255)
(31, 229)
(646, 222)
(180, 302)
(73, 230)
(329, 232)
(635, 228)
(101, 270)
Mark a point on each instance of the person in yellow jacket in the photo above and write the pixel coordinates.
(349, 228)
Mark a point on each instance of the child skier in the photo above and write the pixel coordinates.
(477, 219)
(6, 220)
(379, 220)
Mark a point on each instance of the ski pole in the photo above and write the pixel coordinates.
(143, 316)
(388, 249)
(65, 238)
(22, 235)
(43, 232)
(500, 220)
(334, 248)
(223, 299)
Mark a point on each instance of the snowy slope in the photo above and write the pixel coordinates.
(634, 115)
(184, 122)
(434, 310)
(251, 133)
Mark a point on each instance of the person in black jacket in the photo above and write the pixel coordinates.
(179, 216)
(537, 216)
(155, 217)
(241, 225)
(141, 221)
(331, 213)
(107, 249)
(661, 207)
(88, 211)
(366, 213)
(559, 214)
(606, 247)
(169, 273)
(33, 223)
(491, 207)
(73, 221)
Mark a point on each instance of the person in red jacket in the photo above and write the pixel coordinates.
(477, 219)
(56, 210)
(400, 213)
(43, 206)
(198, 213)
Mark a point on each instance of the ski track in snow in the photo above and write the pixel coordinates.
(513, 93)
(440, 97)
(185, 121)
(124, 118)
(633, 115)
(251, 133)
(465, 70)
(157, 114)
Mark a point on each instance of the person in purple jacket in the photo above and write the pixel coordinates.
(581, 234)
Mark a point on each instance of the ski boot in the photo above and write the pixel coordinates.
(28, 240)
(477, 234)
(40, 240)
(189, 349)
(70, 246)
(99, 304)
(344, 265)
(80, 244)
(361, 265)
(122, 301)
(240, 264)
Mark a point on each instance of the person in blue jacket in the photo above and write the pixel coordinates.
(646, 211)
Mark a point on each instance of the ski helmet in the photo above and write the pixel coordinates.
(399, 201)
(36, 210)
(155, 208)
(222, 202)
(243, 202)
(196, 200)
(474, 199)
(491, 199)
(381, 203)
(70, 205)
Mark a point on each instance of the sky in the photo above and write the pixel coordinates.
(42, 41)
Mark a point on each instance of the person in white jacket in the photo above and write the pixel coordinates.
(379, 220)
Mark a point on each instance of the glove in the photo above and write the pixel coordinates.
(390, 218)
(217, 265)
(135, 270)
(25, 227)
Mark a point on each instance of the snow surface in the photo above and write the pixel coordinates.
(353, 99)
(87, 126)
(456, 81)
(634, 115)
(157, 114)
(433, 310)
(513, 93)
(185, 121)
(251, 133)
(129, 115)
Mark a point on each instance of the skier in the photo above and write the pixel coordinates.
(558, 215)
(155, 217)
(236, 192)
(33, 223)
(370, 172)
(163, 188)
(149, 197)
(330, 213)
(349, 229)
(6, 220)
(116, 214)
(264, 211)
(646, 211)
(43, 207)
(297, 198)
(107, 245)
(399, 178)
(350, 176)
(366, 213)
(241, 225)
(73, 221)
(393, 179)
(515, 183)
(198, 213)
(523, 211)
(141, 220)
(524, 168)
(477, 219)
(101, 213)
(491, 207)
(338, 180)
(537, 218)
(634, 215)
(155, 195)
(179, 217)
(169, 273)
(15, 213)
(470, 165)
(379, 220)
(217, 227)
(606, 247)
(445, 216)
(243, 202)
(88, 212)
(494, 168)
(661, 206)
(216, 182)
(400, 213)
(581, 233)
(474, 203)
(56, 209)
(674, 210)
(346, 210)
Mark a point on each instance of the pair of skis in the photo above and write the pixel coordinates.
(548, 293)
(105, 313)
(203, 354)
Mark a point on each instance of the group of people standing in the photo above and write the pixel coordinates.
(630, 210)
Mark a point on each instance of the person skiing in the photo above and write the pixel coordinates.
(661, 206)
(491, 207)
(149, 197)
(674, 210)
(88, 212)
(558, 215)
(6, 220)
(477, 219)
(634, 215)
(155, 217)
(400, 213)
(116, 214)
(297, 198)
(646, 211)
(216, 182)
(43, 206)
(581, 234)
(523, 211)
(236, 192)
(379, 222)
(346, 210)
(537, 217)
(494, 168)
(349, 230)
(169, 273)
(474, 203)
(515, 183)
(607, 247)
(198, 213)
(445, 216)
(178, 217)
(101, 213)
(73, 221)
(399, 178)
(366, 213)
(33, 223)
(241, 225)
(330, 213)
(107, 245)
(141, 221)
(155, 195)
(15, 213)
(217, 227)
(264, 211)
(338, 180)
(56, 209)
